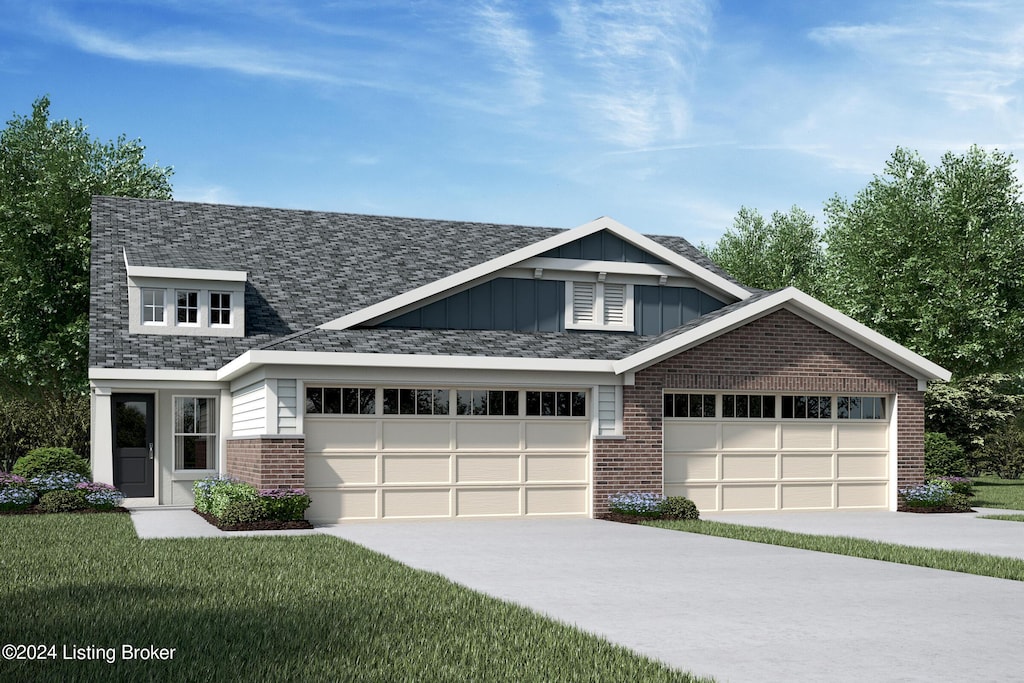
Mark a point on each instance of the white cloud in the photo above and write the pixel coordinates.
(206, 194)
(499, 33)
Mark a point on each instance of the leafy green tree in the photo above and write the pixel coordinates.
(782, 252)
(49, 170)
(968, 409)
(931, 257)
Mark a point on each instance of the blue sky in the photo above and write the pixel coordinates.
(666, 115)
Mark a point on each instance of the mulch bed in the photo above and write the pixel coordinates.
(262, 525)
(626, 519)
(34, 510)
(930, 510)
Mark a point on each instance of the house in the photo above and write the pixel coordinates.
(403, 368)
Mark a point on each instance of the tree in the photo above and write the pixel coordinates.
(968, 409)
(785, 251)
(49, 170)
(931, 257)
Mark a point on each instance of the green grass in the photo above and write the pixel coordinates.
(1005, 518)
(993, 492)
(952, 560)
(270, 609)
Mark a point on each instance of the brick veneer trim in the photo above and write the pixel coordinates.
(779, 352)
(266, 462)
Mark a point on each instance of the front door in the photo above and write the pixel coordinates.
(133, 430)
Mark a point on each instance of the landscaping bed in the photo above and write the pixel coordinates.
(257, 525)
(944, 509)
(36, 510)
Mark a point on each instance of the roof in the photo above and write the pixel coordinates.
(307, 268)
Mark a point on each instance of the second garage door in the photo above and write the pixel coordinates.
(777, 452)
(448, 453)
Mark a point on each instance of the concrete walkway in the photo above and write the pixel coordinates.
(181, 522)
(961, 531)
(733, 610)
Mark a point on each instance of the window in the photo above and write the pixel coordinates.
(748, 405)
(860, 408)
(415, 402)
(188, 307)
(220, 308)
(152, 306)
(599, 305)
(340, 401)
(486, 402)
(556, 403)
(689, 405)
(807, 407)
(195, 433)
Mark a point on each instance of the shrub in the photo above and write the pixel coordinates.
(16, 497)
(42, 461)
(56, 481)
(636, 504)
(926, 495)
(285, 505)
(100, 496)
(961, 485)
(8, 480)
(61, 500)
(959, 502)
(678, 507)
(242, 511)
(214, 494)
(943, 456)
(1004, 451)
(202, 490)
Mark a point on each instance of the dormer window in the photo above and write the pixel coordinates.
(187, 307)
(152, 306)
(220, 308)
(599, 306)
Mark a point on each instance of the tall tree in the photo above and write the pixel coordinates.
(931, 257)
(785, 251)
(49, 171)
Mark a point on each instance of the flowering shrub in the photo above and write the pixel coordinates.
(955, 484)
(12, 480)
(16, 497)
(57, 481)
(636, 503)
(100, 496)
(285, 505)
(217, 492)
(926, 495)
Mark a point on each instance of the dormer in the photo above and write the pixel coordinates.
(185, 301)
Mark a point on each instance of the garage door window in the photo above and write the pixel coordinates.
(415, 402)
(807, 407)
(756, 406)
(690, 405)
(340, 401)
(860, 408)
(556, 403)
(487, 402)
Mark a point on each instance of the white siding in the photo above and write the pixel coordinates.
(607, 410)
(249, 410)
(287, 406)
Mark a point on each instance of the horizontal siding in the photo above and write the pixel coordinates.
(249, 410)
(287, 406)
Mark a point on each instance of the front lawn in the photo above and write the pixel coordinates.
(952, 560)
(268, 608)
(993, 492)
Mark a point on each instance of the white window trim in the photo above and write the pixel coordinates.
(229, 309)
(214, 421)
(198, 309)
(163, 306)
(135, 313)
(598, 303)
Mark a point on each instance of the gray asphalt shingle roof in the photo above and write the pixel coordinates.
(306, 268)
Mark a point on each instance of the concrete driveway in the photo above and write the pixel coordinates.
(733, 610)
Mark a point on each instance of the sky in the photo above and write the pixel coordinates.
(667, 115)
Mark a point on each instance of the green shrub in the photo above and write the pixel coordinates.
(678, 507)
(1004, 451)
(962, 485)
(228, 492)
(944, 457)
(959, 502)
(43, 461)
(62, 501)
(242, 511)
(285, 505)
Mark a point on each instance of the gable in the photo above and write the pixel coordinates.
(602, 246)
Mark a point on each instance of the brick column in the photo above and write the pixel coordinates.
(268, 461)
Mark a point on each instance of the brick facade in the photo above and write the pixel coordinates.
(268, 462)
(780, 352)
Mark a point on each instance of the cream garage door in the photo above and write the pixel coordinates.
(385, 466)
(784, 457)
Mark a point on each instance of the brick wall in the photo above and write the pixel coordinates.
(780, 352)
(268, 462)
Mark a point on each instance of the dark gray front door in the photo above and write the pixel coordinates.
(133, 444)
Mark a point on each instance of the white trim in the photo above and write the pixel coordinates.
(516, 257)
(185, 273)
(597, 307)
(99, 374)
(615, 267)
(806, 307)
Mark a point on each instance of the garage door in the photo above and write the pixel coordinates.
(468, 453)
(779, 452)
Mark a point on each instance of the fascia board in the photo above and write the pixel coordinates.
(807, 307)
(251, 359)
(102, 374)
(185, 273)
